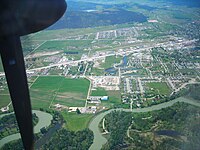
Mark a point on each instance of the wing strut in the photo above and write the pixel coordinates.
(13, 63)
(18, 18)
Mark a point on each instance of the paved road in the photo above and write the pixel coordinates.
(90, 59)
(99, 140)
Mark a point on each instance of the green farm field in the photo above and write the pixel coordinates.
(65, 45)
(50, 90)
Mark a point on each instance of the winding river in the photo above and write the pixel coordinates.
(44, 121)
(99, 140)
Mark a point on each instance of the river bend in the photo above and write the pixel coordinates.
(44, 121)
(99, 140)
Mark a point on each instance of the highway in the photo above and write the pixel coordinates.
(89, 59)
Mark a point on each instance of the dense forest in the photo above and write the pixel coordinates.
(65, 139)
(191, 3)
(175, 127)
(117, 123)
(194, 92)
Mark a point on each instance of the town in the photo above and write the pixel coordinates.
(112, 75)
(142, 71)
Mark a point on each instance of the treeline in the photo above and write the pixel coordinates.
(194, 92)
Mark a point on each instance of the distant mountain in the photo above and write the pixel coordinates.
(189, 3)
(102, 1)
(80, 5)
(92, 18)
(93, 13)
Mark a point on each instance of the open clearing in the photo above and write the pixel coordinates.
(5, 100)
(162, 87)
(48, 90)
(75, 122)
(99, 92)
(110, 61)
(114, 96)
(4, 97)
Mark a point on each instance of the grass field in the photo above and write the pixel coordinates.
(4, 96)
(99, 92)
(63, 33)
(28, 45)
(75, 122)
(66, 45)
(56, 89)
(4, 100)
(110, 60)
(162, 87)
(97, 71)
(114, 96)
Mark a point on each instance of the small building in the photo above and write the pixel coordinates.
(93, 109)
(104, 98)
(94, 98)
(94, 101)
(97, 99)
(60, 107)
(73, 109)
(5, 109)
